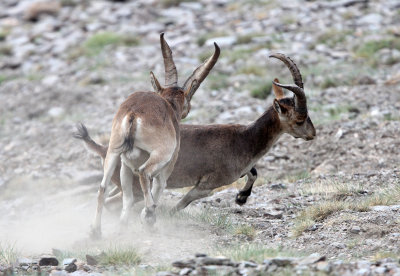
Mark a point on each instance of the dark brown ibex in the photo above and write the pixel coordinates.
(212, 156)
(145, 137)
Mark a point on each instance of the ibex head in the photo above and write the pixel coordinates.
(292, 111)
(171, 75)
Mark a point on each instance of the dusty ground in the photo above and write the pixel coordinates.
(51, 79)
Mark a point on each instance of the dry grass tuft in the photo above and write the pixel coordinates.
(330, 204)
(8, 254)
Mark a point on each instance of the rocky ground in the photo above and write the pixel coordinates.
(327, 206)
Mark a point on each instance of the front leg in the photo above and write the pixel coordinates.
(243, 194)
(195, 193)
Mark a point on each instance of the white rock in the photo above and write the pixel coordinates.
(221, 41)
(55, 111)
(50, 80)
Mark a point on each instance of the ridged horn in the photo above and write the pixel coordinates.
(292, 68)
(171, 75)
(300, 97)
(201, 72)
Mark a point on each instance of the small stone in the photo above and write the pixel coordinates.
(278, 186)
(183, 264)
(365, 80)
(312, 259)
(48, 261)
(213, 261)
(338, 245)
(198, 255)
(244, 264)
(323, 266)
(38, 8)
(282, 261)
(381, 270)
(380, 208)
(185, 271)
(68, 261)
(24, 261)
(71, 267)
(50, 80)
(91, 260)
(55, 111)
(363, 271)
(273, 214)
(355, 230)
(58, 273)
(165, 273)
(314, 227)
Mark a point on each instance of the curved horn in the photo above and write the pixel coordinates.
(300, 99)
(201, 72)
(292, 67)
(171, 75)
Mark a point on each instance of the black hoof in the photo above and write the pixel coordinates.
(241, 199)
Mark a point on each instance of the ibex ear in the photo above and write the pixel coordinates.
(192, 88)
(154, 82)
(278, 107)
(278, 91)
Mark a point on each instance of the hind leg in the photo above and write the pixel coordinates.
(127, 195)
(243, 194)
(109, 167)
(149, 170)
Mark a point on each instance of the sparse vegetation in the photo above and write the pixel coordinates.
(253, 70)
(333, 189)
(238, 54)
(332, 37)
(220, 220)
(110, 255)
(246, 230)
(261, 90)
(297, 176)
(244, 39)
(5, 50)
(4, 78)
(385, 254)
(8, 253)
(201, 40)
(255, 252)
(172, 3)
(368, 50)
(96, 43)
(218, 81)
(320, 211)
(120, 256)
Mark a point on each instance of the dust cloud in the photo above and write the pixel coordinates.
(39, 215)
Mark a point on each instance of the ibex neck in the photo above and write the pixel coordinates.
(264, 132)
(176, 104)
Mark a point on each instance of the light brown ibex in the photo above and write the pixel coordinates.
(145, 137)
(212, 156)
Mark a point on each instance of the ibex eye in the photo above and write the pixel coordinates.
(299, 123)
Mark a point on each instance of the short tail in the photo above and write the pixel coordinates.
(129, 126)
(83, 134)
